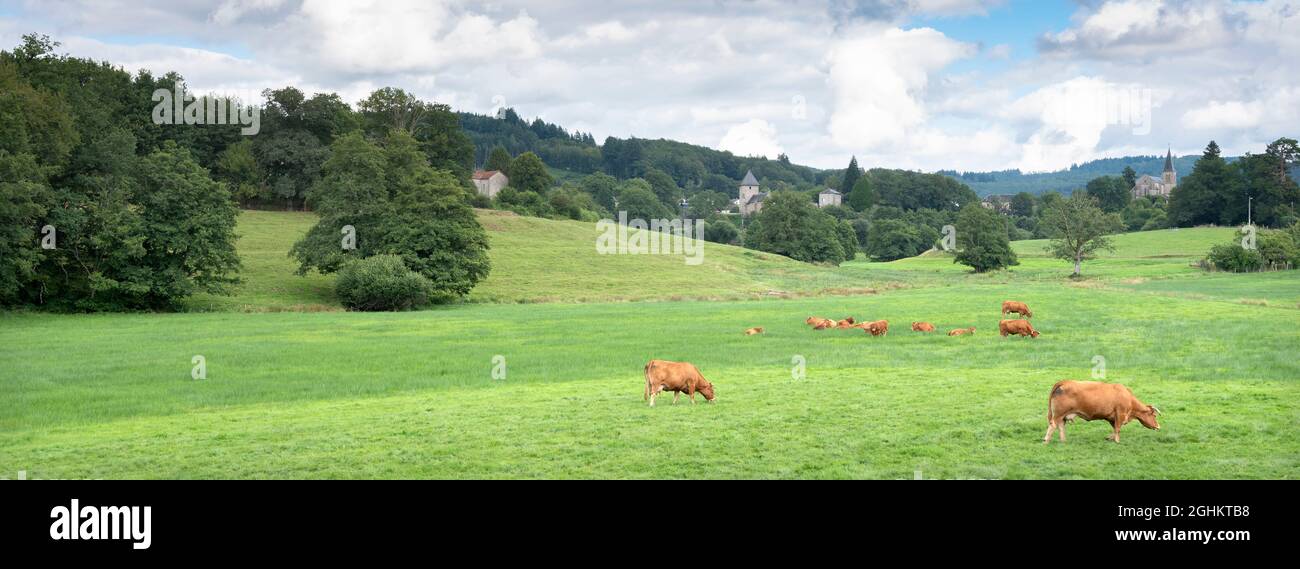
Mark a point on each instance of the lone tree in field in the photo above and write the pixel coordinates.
(1078, 228)
(982, 242)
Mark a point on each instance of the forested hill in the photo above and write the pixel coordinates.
(691, 166)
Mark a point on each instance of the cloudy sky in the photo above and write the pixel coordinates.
(918, 84)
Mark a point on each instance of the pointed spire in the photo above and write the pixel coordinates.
(1169, 160)
(749, 180)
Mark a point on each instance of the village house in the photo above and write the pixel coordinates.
(828, 197)
(489, 182)
(1000, 203)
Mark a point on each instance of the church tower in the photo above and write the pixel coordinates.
(748, 187)
(1170, 177)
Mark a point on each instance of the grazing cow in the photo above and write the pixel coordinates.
(962, 331)
(1020, 308)
(663, 375)
(877, 328)
(922, 327)
(752, 331)
(1016, 328)
(1094, 400)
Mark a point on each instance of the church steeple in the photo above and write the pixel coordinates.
(1170, 177)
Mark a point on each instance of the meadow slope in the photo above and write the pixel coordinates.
(292, 393)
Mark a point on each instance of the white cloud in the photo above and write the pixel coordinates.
(730, 72)
(878, 79)
(755, 137)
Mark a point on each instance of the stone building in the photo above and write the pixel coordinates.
(829, 197)
(1147, 186)
(489, 182)
(751, 200)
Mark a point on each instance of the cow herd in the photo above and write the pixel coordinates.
(1068, 400)
(881, 327)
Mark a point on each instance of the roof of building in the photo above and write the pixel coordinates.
(830, 191)
(485, 174)
(756, 198)
(749, 180)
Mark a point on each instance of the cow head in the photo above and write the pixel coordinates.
(1146, 414)
(1033, 333)
(706, 389)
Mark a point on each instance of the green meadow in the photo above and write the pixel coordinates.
(296, 388)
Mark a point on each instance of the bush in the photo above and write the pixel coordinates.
(380, 283)
(720, 231)
(1277, 249)
(1234, 258)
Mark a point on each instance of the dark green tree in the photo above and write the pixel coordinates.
(789, 224)
(1130, 176)
(851, 176)
(1022, 204)
(396, 204)
(1204, 195)
(982, 241)
(499, 160)
(529, 174)
(1111, 193)
(637, 199)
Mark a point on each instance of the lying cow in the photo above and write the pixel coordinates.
(824, 324)
(922, 327)
(815, 320)
(1016, 328)
(845, 324)
(877, 328)
(752, 331)
(1011, 306)
(1094, 400)
(962, 331)
(663, 375)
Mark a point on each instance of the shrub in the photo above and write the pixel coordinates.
(381, 282)
(720, 231)
(1234, 258)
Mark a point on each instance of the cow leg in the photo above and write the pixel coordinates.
(1060, 428)
(1051, 426)
(676, 395)
(1115, 437)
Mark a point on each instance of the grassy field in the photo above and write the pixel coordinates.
(533, 260)
(302, 394)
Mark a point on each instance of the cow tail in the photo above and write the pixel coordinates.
(1056, 390)
(646, 396)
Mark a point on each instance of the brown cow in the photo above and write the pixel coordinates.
(850, 320)
(663, 375)
(844, 324)
(1094, 400)
(1016, 328)
(877, 328)
(922, 327)
(962, 331)
(815, 320)
(1011, 306)
(752, 331)
(824, 324)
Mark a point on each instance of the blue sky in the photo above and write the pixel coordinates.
(918, 84)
